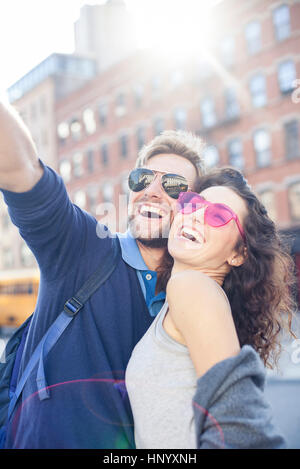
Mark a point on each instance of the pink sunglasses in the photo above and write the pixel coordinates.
(215, 215)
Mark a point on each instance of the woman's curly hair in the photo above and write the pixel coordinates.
(261, 290)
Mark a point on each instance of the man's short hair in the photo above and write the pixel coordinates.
(177, 142)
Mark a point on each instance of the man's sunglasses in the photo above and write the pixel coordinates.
(215, 215)
(140, 178)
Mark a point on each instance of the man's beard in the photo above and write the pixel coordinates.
(154, 242)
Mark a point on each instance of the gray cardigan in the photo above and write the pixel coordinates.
(230, 407)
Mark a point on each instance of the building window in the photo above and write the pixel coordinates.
(104, 154)
(232, 108)
(208, 112)
(156, 86)
(77, 164)
(235, 153)
(108, 191)
(102, 114)
(138, 95)
(211, 156)
(65, 170)
(281, 21)
(291, 132)
(177, 78)
(228, 50)
(253, 37)
(80, 199)
(158, 126)
(63, 132)
(120, 109)
(123, 144)
(140, 137)
(75, 128)
(90, 160)
(180, 117)
(286, 76)
(258, 90)
(92, 195)
(294, 201)
(262, 147)
(89, 121)
(267, 198)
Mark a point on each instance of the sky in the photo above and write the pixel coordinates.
(31, 30)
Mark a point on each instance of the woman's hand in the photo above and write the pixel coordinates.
(201, 312)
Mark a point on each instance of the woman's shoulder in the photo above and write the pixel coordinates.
(195, 286)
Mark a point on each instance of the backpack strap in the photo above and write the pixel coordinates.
(71, 308)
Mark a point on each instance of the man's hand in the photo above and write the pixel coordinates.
(19, 165)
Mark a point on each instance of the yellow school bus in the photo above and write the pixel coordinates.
(18, 295)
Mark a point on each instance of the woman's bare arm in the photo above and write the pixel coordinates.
(19, 165)
(201, 313)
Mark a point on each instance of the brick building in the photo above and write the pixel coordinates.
(240, 95)
(34, 96)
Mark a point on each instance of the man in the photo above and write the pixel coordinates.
(87, 407)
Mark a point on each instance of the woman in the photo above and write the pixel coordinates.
(196, 378)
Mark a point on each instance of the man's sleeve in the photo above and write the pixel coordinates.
(53, 228)
(230, 408)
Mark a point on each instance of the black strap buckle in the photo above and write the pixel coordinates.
(72, 306)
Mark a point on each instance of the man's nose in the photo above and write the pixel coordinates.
(155, 188)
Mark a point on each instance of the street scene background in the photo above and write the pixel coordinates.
(94, 81)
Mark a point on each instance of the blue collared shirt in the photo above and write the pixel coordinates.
(132, 256)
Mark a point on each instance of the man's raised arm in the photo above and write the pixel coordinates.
(19, 165)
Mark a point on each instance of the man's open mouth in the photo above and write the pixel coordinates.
(150, 211)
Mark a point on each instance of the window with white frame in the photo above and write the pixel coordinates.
(291, 133)
(89, 121)
(227, 46)
(80, 198)
(103, 113)
(232, 108)
(77, 160)
(258, 91)
(180, 117)
(262, 147)
(286, 76)
(235, 153)
(63, 131)
(140, 136)
(158, 126)
(208, 114)
(282, 22)
(107, 191)
(104, 154)
(65, 170)
(138, 94)
(123, 145)
(76, 128)
(211, 156)
(253, 37)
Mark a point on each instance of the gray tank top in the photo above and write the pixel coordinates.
(161, 383)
